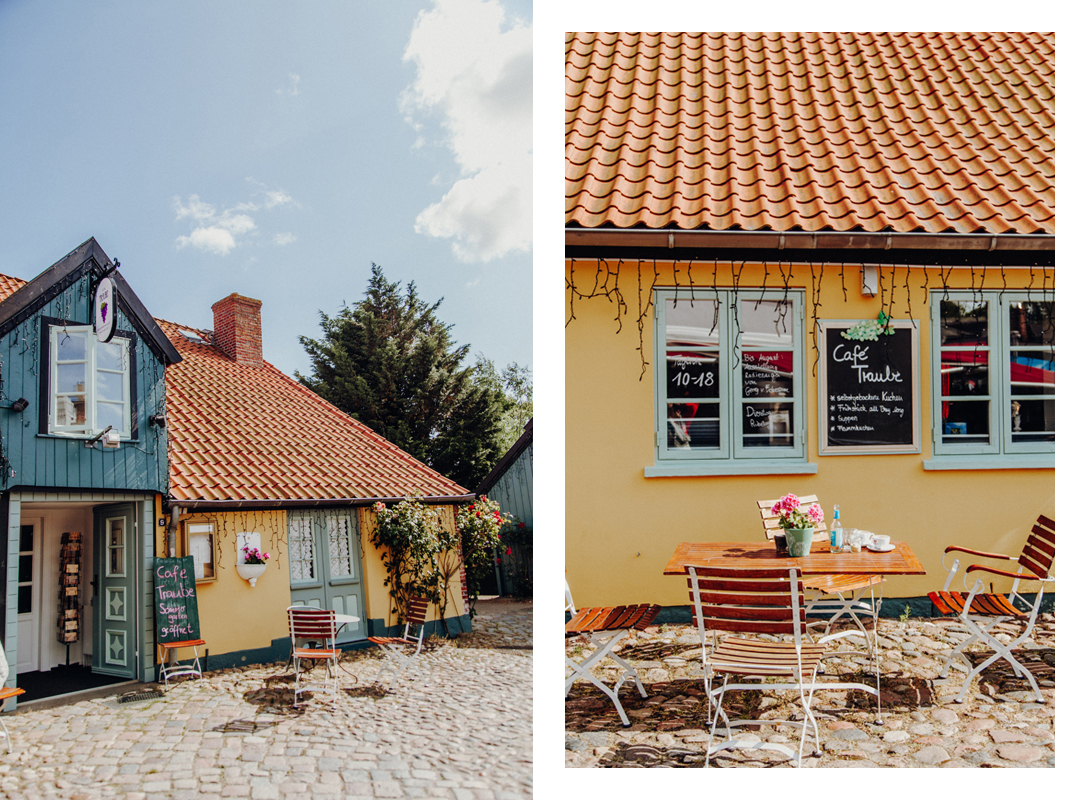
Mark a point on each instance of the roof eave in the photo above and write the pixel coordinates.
(509, 458)
(662, 239)
(323, 502)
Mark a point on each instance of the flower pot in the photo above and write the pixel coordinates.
(799, 541)
(250, 572)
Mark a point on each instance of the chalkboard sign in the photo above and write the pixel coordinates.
(175, 600)
(869, 400)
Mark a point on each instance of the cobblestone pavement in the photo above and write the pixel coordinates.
(465, 734)
(998, 725)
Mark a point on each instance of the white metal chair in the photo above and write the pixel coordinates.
(401, 652)
(835, 594)
(757, 601)
(979, 611)
(604, 627)
(171, 669)
(314, 626)
(6, 693)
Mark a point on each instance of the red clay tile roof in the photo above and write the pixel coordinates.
(9, 286)
(253, 433)
(902, 132)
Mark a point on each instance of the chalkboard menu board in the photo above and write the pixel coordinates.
(869, 399)
(175, 600)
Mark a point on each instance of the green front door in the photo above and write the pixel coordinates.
(324, 559)
(114, 592)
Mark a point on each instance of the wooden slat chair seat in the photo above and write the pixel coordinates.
(6, 693)
(169, 669)
(753, 601)
(604, 627)
(756, 657)
(400, 653)
(979, 611)
(309, 625)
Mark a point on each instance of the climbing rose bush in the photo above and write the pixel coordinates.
(411, 539)
(479, 526)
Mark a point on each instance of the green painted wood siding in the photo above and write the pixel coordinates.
(31, 459)
(514, 490)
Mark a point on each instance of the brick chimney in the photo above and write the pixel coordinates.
(237, 329)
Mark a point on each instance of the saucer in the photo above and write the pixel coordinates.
(877, 549)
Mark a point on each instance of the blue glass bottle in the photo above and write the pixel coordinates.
(837, 537)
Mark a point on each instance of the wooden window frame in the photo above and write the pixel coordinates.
(187, 550)
(1001, 449)
(52, 329)
(731, 457)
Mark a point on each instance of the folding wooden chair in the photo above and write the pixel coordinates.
(766, 601)
(401, 652)
(604, 627)
(169, 669)
(980, 611)
(309, 626)
(6, 693)
(834, 594)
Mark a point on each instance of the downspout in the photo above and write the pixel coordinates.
(172, 529)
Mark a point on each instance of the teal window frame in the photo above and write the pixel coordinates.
(731, 457)
(1001, 451)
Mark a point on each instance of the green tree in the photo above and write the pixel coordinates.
(391, 363)
(516, 383)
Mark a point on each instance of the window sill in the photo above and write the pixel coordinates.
(696, 468)
(78, 437)
(1045, 461)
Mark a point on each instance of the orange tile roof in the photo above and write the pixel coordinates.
(900, 132)
(254, 433)
(9, 286)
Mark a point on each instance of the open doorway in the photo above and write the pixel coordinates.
(48, 665)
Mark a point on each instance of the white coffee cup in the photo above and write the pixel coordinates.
(881, 542)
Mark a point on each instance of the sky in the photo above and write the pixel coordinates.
(277, 150)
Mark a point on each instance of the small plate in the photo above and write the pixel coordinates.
(877, 549)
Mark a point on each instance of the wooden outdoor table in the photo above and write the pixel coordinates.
(763, 555)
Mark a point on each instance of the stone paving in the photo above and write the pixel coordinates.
(998, 725)
(465, 734)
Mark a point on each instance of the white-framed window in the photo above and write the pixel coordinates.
(201, 544)
(730, 381)
(993, 368)
(89, 382)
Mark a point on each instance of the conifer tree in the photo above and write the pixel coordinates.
(389, 362)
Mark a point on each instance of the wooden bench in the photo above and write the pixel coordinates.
(604, 627)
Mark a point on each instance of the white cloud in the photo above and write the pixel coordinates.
(476, 74)
(284, 238)
(293, 87)
(220, 231)
(216, 240)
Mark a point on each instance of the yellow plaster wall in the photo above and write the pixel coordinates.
(621, 527)
(234, 615)
(377, 595)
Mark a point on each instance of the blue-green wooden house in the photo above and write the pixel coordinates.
(510, 485)
(70, 496)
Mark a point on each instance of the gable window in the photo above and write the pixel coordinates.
(729, 382)
(90, 383)
(993, 376)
